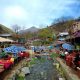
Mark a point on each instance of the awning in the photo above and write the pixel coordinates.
(5, 40)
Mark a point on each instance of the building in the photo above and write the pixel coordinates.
(6, 35)
(62, 36)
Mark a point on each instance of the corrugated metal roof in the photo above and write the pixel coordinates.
(6, 35)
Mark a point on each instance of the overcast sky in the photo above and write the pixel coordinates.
(36, 12)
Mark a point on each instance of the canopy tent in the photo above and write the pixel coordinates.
(68, 46)
(5, 40)
(14, 49)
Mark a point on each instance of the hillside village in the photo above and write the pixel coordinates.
(64, 34)
(39, 40)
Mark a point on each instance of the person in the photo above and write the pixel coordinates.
(66, 52)
(34, 48)
(3, 54)
(42, 48)
(76, 60)
(62, 55)
(0, 50)
(11, 58)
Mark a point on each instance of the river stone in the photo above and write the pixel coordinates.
(25, 70)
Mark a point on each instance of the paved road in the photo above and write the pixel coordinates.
(43, 70)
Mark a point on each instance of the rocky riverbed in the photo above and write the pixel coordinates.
(43, 69)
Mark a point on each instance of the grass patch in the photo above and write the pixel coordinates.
(54, 55)
(20, 77)
(42, 60)
(34, 60)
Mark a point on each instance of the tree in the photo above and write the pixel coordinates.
(62, 19)
(45, 33)
(16, 28)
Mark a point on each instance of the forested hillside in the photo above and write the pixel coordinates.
(4, 29)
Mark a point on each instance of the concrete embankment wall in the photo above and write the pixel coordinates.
(67, 71)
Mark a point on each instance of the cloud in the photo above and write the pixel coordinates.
(36, 12)
(15, 12)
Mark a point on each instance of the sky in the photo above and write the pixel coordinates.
(39, 13)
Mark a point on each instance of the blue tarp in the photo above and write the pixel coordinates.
(57, 46)
(14, 49)
(68, 46)
(50, 47)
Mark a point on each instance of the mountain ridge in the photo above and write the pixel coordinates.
(31, 30)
